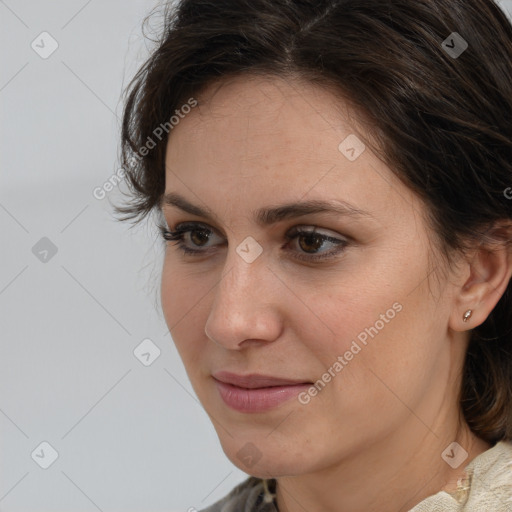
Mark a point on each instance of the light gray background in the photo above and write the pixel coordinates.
(129, 437)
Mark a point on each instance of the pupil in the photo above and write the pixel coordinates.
(310, 240)
(202, 235)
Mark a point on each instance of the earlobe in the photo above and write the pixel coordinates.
(489, 276)
(467, 314)
(465, 322)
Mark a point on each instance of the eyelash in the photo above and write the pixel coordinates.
(179, 233)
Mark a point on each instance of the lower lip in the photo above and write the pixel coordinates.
(259, 399)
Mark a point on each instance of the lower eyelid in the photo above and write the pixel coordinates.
(330, 254)
(185, 229)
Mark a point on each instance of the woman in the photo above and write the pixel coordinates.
(333, 180)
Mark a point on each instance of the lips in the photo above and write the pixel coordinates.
(256, 393)
(254, 380)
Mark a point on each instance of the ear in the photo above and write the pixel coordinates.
(490, 269)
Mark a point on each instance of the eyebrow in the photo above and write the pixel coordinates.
(271, 215)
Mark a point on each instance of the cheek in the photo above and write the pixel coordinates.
(347, 322)
(172, 289)
(182, 297)
(376, 345)
(391, 372)
(181, 291)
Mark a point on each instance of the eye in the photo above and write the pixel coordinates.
(198, 234)
(309, 241)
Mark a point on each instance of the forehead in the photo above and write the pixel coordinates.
(271, 106)
(252, 122)
(262, 138)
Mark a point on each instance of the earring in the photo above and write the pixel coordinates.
(467, 314)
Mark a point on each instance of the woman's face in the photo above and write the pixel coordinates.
(364, 329)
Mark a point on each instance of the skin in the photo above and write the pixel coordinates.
(372, 439)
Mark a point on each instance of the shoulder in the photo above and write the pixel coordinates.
(248, 496)
(491, 484)
(493, 471)
(489, 489)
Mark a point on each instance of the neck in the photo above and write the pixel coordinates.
(395, 474)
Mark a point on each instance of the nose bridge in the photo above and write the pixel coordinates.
(236, 312)
(238, 281)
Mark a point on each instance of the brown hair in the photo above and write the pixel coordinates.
(443, 121)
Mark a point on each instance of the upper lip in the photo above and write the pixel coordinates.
(254, 380)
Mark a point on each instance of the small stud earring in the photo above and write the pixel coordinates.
(467, 314)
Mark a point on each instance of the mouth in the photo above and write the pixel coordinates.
(256, 393)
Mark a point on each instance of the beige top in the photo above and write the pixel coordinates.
(486, 487)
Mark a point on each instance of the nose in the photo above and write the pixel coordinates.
(245, 308)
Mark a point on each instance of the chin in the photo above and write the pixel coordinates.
(262, 458)
(271, 467)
